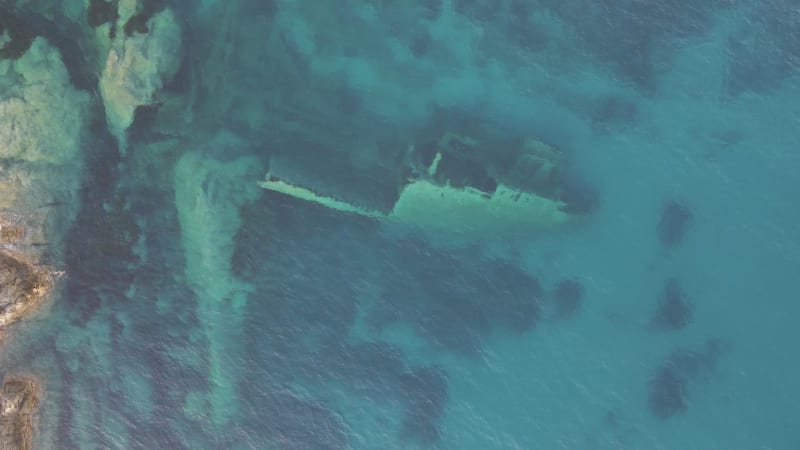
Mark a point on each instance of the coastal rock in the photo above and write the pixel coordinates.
(138, 65)
(18, 399)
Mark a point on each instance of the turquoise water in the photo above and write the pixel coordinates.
(304, 328)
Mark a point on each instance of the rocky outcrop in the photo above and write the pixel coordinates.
(18, 399)
(22, 286)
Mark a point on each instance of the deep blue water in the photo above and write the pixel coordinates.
(664, 318)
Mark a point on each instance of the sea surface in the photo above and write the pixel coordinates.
(664, 318)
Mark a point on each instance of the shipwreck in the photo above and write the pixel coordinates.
(450, 179)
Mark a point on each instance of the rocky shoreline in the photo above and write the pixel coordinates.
(18, 400)
(23, 285)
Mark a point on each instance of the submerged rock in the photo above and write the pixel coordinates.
(138, 66)
(41, 113)
(18, 399)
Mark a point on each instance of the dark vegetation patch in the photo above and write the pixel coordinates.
(764, 50)
(20, 36)
(432, 9)
(477, 10)
(610, 111)
(625, 34)
(673, 311)
(673, 223)
(525, 32)
(669, 389)
(100, 12)
(454, 300)
(305, 264)
(420, 43)
(281, 419)
(138, 22)
(349, 100)
(581, 197)
(98, 250)
(425, 391)
(23, 27)
(568, 296)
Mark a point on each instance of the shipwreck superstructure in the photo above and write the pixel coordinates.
(448, 178)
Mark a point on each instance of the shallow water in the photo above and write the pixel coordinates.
(352, 336)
